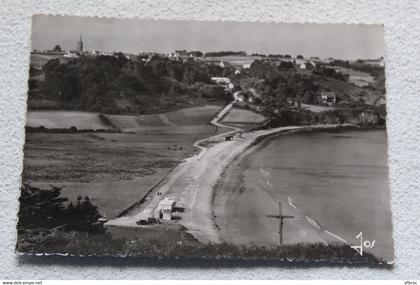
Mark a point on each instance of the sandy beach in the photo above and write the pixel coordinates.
(321, 195)
(241, 209)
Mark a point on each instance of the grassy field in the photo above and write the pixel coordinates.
(234, 60)
(195, 119)
(184, 117)
(44, 104)
(316, 108)
(114, 169)
(243, 116)
(193, 116)
(65, 120)
(111, 197)
(358, 78)
(37, 60)
(348, 91)
(125, 123)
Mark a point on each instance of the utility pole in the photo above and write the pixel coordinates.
(281, 217)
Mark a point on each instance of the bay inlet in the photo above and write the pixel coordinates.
(334, 183)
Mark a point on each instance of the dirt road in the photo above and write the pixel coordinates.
(215, 121)
(182, 185)
(192, 182)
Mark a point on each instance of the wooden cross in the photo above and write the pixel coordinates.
(281, 217)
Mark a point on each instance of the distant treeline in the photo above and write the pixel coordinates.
(280, 55)
(225, 53)
(275, 55)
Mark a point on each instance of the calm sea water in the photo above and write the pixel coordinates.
(339, 180)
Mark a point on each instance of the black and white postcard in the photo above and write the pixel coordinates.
(244, 140)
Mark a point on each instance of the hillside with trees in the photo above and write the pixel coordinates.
(155, 84)
(282, 89)
(101, 83)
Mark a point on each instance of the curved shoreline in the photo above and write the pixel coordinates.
(241, 199)
(207, 171)
(219, 200)
(191, 184)
(204, 170)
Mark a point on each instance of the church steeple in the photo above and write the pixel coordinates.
(80, 45)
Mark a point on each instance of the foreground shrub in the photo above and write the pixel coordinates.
(48, 226)
(45, 209)
(100, 244)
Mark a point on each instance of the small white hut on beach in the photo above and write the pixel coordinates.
(164, 209)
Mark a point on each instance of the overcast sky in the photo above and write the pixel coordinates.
(134, 36)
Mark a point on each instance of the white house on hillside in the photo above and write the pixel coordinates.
(220, 80)
(223, 81)
(327, 97)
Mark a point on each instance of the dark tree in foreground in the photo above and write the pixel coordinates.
(40, 208)
(83, 216)
(46, 209)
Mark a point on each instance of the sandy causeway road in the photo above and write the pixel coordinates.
(191, 183)
(183, 176)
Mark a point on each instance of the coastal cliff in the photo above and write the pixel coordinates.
(368, 117)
